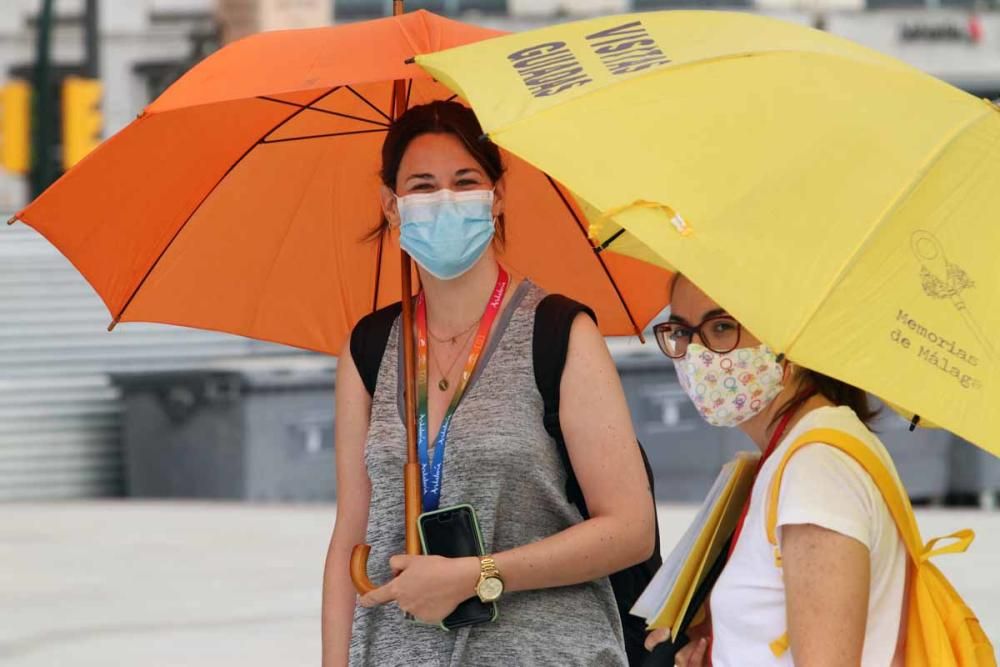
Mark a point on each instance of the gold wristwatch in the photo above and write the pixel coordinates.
(490, 586)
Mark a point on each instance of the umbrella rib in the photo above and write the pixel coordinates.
(611, 239)
(378, 270)
(369, 103)
(326, 111)
(383, 232)
(300, 107)
(266, 142)
(898, 201)
(597, 256)
(156, 262)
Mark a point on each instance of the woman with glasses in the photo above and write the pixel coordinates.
(839, 591)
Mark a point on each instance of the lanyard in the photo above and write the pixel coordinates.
(775, 439)
(431, 472)
(771, 446)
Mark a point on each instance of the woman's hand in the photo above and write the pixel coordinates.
(427, 587)
(694, 653)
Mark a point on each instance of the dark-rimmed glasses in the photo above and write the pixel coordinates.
(719, 334)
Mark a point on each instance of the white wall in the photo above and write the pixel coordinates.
(964, 63)
(811, 5)
(528, 8)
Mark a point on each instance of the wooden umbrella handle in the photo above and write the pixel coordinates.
(412, 484)
(359, 569)
(359, 556)
(412, 489)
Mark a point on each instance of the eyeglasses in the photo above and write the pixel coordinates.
(719, 334)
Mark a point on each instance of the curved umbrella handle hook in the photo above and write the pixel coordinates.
(359, 569)
(359, 555)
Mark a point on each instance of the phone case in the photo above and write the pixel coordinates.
(479, 545)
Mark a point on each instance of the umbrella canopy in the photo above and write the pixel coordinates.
(839, 203)
(239, 200)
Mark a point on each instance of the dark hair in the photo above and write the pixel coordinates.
(439, 118)
(810, 382)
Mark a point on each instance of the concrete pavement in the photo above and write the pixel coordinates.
(186, 584)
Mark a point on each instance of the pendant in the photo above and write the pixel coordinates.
(443, 384)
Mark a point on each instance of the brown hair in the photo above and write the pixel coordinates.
(439, 118)
(810, 382)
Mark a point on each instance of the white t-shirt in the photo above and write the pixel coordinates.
(825, 487)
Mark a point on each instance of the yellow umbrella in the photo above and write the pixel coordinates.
(843, 205)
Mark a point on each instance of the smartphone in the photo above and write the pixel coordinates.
(453, 532)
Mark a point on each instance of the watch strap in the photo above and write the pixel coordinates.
(488, 567)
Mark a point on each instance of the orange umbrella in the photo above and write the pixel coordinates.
(239, 200)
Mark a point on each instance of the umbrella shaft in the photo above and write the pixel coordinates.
(413, 491)
(409, 359)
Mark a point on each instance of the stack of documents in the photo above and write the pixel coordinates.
(667, 599)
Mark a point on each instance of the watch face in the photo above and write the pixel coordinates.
(490, 589)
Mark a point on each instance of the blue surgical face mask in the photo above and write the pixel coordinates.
(446, 232)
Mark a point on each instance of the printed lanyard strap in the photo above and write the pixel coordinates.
(432, 472)
(779, 433)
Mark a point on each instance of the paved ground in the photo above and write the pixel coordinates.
(186, 584)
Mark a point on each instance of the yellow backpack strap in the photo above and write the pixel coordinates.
(963, 538)
(897, 502)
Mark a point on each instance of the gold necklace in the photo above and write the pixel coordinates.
(452, 339)
(443, 383)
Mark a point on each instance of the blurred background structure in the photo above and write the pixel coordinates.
(156, 411)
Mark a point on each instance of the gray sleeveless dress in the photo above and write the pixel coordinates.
(500, 460)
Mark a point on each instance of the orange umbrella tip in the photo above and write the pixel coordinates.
(12, 220)
(114, 323)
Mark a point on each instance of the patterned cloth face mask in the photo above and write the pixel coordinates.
(730, 388)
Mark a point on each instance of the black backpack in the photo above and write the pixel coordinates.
(553, 320)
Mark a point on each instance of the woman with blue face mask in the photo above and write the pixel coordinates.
(839, 590)
(444, 193)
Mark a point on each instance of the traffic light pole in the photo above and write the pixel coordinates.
(92, 62)
(42, 125)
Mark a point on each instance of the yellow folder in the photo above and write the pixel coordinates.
(666, 600)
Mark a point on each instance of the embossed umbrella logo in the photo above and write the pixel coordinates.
(943, 279)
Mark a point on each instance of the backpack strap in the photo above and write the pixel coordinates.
(897, 502)
(554, 319)
(368, 342)
(892, 493)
